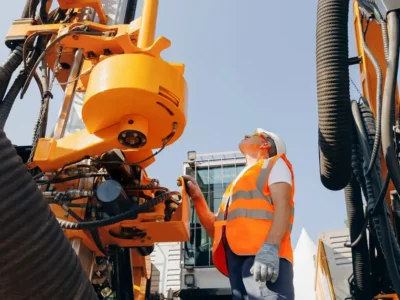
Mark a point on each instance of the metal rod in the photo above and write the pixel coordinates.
(149, 20)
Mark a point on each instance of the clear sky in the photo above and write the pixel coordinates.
(248, 64)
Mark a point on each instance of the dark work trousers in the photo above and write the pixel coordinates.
(244, 286)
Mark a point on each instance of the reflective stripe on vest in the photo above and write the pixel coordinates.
(250, 214)
(256, 193)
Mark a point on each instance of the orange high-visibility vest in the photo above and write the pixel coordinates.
(249, 217)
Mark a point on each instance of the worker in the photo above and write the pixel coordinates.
(252, 227)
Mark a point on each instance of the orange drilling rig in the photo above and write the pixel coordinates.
(81, 213)
(359, 139)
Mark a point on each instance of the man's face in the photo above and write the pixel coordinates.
(253, 143)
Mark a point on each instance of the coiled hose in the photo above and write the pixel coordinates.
(8, 102)
(355, 215)
(334, 112)
(388, 105)
(381, 223)
(8, 68)
(36, 259)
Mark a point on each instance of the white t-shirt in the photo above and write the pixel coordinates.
(280, 172)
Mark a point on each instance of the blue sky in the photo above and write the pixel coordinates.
(247, 65)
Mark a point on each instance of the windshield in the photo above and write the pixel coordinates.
(213, 180)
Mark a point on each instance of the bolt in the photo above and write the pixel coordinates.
(130, 122)
(142, 241)
(75, 37)
(149, 238)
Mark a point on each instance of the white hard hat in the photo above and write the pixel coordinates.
(280, 145)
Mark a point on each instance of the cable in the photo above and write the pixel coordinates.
(378, 121)
(28, 40)
(378, 203)
(55, 41)
(118, 218)
(388, 146)
(61, 180)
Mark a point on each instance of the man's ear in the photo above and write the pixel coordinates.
(265, 146)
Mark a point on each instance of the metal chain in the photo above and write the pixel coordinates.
(46, 99)
(352, 82)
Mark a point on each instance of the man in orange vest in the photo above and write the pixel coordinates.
(252, 228)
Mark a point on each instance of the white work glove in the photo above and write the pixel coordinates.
(266, 263)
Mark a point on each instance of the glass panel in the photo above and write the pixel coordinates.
(213, 181)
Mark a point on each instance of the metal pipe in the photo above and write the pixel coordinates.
(149, 20)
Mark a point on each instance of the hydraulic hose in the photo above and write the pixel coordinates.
(381, 223)
(8, 68)
(334, 112)
(43, 11)
(36, 259)
(360, 256)
(378, 70)
(388, 145)
(132, 213)
(8, 102)
(130, 11)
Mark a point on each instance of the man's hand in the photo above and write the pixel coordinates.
(266, 263)
(206, 217)
(193, 188)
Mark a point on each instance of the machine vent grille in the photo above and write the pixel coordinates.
(166, 94)
(342, 254)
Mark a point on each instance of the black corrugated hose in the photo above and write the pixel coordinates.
(388, 145)
(130, 11)
(334, 112)
(36, 260)
(8, 102)
(355, 216)
(378, 213)
(8, 68)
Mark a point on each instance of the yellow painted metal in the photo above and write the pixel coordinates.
(141, 271)
(148, 28)
(157, 94)
(323, 282)
(388, 296)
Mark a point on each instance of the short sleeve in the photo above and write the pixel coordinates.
(280, 172)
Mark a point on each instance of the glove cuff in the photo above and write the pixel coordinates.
(272, 246)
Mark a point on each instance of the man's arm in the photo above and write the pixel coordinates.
(266, 265)
(280, 194)
(206, 217)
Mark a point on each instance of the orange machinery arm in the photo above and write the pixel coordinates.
(134, 103)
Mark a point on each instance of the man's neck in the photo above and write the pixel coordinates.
(252, 159)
